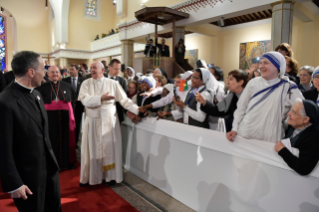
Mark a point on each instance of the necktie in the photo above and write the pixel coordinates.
(73, 84)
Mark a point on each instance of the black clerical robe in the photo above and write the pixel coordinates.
(57, 99)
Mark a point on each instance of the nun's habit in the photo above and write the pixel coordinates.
(305, 140)
(264, 104)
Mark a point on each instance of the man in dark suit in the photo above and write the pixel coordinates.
(28, 168)
(9, 77)
(149, 49)
(75, 80)
(163, 49)
(114, 70)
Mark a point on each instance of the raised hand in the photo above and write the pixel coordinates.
(200, 98)
(146, 94)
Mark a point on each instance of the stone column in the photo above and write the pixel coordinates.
(63, 62)
(282, 18)
(108, 60)
(127, 52)
(179, 33)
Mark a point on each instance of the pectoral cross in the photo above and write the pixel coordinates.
(56, 99)
(289, 94)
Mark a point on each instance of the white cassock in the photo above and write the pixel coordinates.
(262, 108)
(101, 149)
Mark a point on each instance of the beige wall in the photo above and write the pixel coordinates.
(223, 49)
(230, 41)
(82, 31)
(32, 24)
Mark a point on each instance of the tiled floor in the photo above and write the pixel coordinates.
(156, 196)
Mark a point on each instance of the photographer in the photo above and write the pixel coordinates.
(180, 49)
(149, 49)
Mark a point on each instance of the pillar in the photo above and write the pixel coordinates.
(282, 19)
(63, 62)
(179, 33)
(108, 59)
(127, 52)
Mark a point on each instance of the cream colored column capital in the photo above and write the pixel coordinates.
(282, 2)
(127, 41)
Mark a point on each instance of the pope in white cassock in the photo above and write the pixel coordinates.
(101, 150)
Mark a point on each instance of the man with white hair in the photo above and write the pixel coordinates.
(263, 106)
(58, 97)
(101, 150)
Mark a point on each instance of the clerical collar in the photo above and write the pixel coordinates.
(29, 89)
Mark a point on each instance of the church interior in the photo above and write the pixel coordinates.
(169, 167)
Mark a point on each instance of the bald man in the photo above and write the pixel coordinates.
(58, 96)
(101, 149)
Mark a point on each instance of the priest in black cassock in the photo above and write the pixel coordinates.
(58, 96)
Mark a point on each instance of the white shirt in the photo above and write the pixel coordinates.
(75, 82)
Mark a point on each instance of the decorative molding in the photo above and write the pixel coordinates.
(188, 6)
(99, 53)
(107, 42)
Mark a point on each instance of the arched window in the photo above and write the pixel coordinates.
(91, 8)
(3, 50)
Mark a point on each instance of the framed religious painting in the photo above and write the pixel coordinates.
(250, 52)
(192, 56)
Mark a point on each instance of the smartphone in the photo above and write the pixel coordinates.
(175, 94)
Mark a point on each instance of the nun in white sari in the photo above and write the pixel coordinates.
(263, 106)
(209, 88)
(130, 74)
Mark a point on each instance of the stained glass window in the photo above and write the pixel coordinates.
(91, 8)
(2, 44)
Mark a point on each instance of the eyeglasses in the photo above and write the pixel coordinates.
(315, 77)
(304, 75)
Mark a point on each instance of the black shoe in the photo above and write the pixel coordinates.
(72, 166)
(83, 184)
(111, 183)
